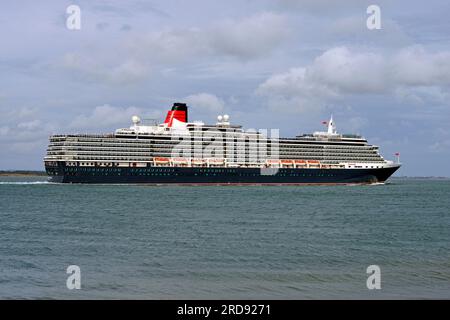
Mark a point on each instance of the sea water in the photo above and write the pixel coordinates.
(224, 242)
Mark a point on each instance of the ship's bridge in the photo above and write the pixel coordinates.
(331, 134)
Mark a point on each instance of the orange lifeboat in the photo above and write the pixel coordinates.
(198, 161)
(300, 163)
(161, 160)
(287, 163)
(313, 163)
(216, 161)
(179, 160)
(272, 162)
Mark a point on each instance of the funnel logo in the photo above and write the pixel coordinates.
(177, 114)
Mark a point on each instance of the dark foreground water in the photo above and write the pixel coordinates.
(224, 242)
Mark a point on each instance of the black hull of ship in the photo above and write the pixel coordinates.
(204, 176)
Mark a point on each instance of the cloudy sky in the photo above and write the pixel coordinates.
(284, 64)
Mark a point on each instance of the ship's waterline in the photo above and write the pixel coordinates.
(182, 152)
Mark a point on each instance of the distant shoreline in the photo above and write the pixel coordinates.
(418, 178)
(21, 173)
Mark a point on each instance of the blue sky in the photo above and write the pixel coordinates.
(284, 64)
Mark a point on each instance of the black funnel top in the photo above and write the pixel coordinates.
(179, 106)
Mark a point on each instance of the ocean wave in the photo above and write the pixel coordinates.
(378, 184)
(24, 182)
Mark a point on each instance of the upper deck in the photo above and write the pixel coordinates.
(177, 138)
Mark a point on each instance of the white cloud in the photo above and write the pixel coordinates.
(247, 38)
(414, 66)
(341, 72)
(440, 146)
(136, 56)
(423, 95)
(105, 116)
(205, 102)
(30, 125)
(18, 131)
(355, 124)
(25, 112)
(323, 4)
(293, 91)
(295, 82)
(353, 29)
(168, 46)
(440, 141)
(252, 37)
(4, 131)
(23, 124)
(128, 71)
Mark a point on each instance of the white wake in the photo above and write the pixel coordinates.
(24, 182)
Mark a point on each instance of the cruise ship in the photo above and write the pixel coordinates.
(182, 152)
